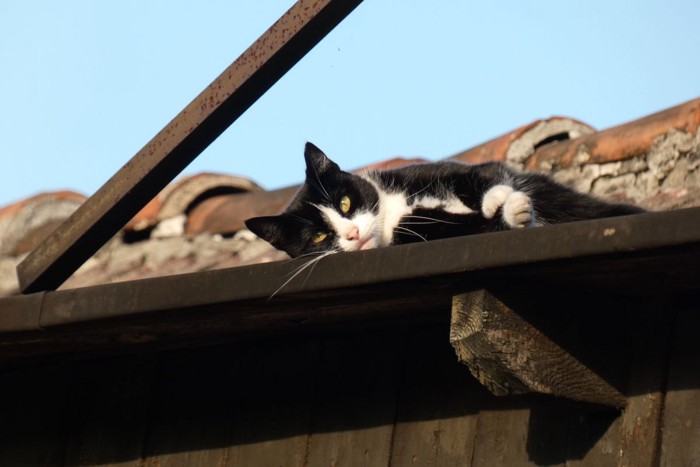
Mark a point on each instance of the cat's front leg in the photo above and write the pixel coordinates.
(516, 206)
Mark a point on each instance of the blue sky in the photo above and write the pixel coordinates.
(85, 84)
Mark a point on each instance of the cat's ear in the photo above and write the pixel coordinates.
(277, 230)
(317, 163)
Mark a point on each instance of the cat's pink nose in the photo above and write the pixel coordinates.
(353, 234)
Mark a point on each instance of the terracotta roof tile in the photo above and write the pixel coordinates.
(24, 224)
(27, 222)
(521, 143)
(621, 142)
(181, 196)
(393, 163)
(225, 214)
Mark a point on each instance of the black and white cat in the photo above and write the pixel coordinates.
(337, 211)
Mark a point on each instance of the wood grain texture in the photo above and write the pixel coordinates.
(502, 438)
(353, 417)
(681, 417)
(34, 416)
(109, 411)
(510, 356)
(594, 439)
(438, 406)
(390, 397)
(652, 328)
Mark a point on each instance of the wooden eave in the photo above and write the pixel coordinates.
(652, 254)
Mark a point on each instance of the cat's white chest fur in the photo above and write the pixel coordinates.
(392, 207)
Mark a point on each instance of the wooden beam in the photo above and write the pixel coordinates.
(650, 350)
(183, 139)
(508, 355)
(654, 254)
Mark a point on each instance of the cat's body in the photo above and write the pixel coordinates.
(338, 211)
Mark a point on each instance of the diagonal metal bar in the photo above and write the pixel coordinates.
(183, 139)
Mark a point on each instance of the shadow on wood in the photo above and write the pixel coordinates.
(396, 395)
(591, 347)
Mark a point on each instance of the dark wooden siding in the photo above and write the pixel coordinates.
(380, 398)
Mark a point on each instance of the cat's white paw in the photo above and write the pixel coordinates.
(494, 198)
(517, 210)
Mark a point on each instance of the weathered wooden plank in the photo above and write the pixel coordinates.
(181, 141)
(34, 416)
(438, 405)
(510, 356)
(109, 406)
(594, 439)
(198, 442)
(191, 406)
(501, 438)
(353, 417)
(650, 329)
(273, 404)
(630, 438)
(681, 417)
(234, 405)
(269, 436)
(548, 430)
(523, 431)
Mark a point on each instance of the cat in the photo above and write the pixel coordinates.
(337, 211)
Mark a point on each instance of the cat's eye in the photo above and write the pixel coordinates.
(345, 204)
(318, 237)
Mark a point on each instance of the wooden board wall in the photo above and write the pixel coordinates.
(378, 398)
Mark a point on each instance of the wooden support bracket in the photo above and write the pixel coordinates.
(508, 355)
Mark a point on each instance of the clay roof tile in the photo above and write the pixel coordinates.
(181, 196)
(25, 223)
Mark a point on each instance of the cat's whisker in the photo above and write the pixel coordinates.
(311, 263)
(314, 253)
(316, 261)
(411, 232)
(431, 219)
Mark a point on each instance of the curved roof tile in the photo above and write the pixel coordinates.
(520, 144)
(181, 196)
(27, 222)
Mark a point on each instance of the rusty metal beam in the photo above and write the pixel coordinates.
(183, 139)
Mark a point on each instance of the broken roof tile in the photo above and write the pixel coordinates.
(621, 142)
(518, 145)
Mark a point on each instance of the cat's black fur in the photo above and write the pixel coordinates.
(326, 184)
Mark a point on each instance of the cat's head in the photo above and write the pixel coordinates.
(332, 211)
